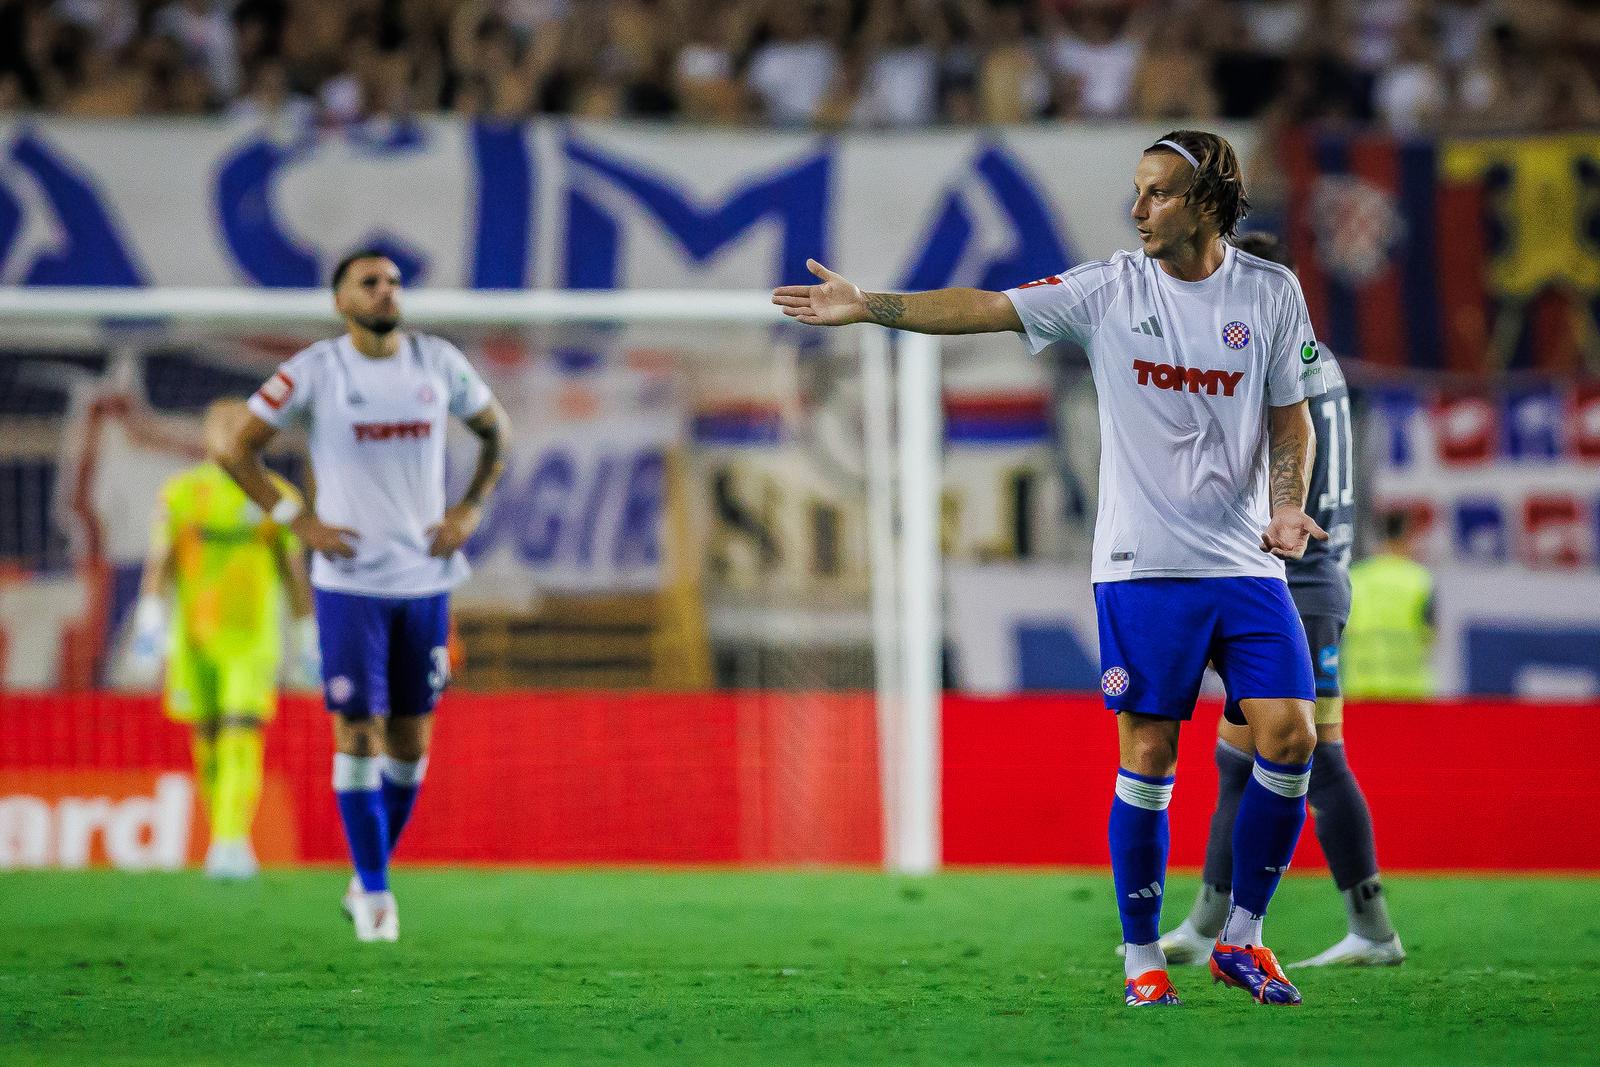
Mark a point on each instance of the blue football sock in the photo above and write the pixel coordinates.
(355, 785)
(401, 781)
(1265, 832)
(1139, 852)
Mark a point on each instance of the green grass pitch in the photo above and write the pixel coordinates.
(624, 966)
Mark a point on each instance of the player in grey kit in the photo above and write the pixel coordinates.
(1319, 582)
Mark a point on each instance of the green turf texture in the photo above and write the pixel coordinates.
(608, 966)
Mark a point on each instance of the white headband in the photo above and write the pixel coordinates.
(1182, 151)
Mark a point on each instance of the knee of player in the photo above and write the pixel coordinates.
(1291, 739)
(1153, 755)
(406, 737)
(357, 736)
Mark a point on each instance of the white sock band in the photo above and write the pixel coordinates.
(1285, 784)
(1152, 796)
(354, 774)
(403, 772)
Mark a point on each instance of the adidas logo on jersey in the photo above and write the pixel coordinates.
(1149, 327)
(1166, 376)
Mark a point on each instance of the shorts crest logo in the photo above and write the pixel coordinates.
(1114, 682)
(1236, 335)
(340, 689)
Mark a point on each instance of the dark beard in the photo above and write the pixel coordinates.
(380, 326)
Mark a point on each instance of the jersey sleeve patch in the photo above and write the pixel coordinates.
(276, 391)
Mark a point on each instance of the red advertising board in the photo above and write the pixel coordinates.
(771, 778)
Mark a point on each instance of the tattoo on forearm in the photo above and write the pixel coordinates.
(886, 309)
(490, 465)
(1287, 469)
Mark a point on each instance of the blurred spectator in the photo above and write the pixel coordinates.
(203, 30)
(1412, 94)
(1097, 53)
(1173, 78)
(901, 83)
(794, 69)
(1275, 27)
(111, 23)
(108, 85)
(1413, 65)
(703, 74)
(1376, 25)
(1462, 24)
(1514, 85)
(270, 101)
(1012, 85)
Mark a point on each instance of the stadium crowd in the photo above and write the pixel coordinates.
(1407, 65)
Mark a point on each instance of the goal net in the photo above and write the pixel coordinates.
(706, 591)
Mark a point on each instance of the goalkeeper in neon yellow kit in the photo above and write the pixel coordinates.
(228, 567)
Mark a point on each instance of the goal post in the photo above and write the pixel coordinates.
(893, 421)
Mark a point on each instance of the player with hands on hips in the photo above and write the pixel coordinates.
(375, 404)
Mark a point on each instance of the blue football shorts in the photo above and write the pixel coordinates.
(383, 655)
(1158, 634)
(1323, 634)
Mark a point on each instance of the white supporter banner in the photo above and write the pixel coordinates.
(559, 205)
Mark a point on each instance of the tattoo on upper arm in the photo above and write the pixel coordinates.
(886, 309)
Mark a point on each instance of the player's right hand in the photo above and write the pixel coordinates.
(331, 541)
(836, 302)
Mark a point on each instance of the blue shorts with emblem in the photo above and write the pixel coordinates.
(1158, 634)
(383, 655)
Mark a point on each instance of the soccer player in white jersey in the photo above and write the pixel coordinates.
(376, 403)
(1319, 584)
(1202, 358)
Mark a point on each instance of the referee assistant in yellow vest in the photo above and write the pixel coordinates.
(1388, 644)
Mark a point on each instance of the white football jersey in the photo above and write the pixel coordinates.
(377, 429)
(1185, 372)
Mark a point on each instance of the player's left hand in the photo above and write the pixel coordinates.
(308, 655)
(459, 523)
(1289, 532)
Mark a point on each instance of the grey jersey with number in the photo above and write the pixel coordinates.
(1320, 581)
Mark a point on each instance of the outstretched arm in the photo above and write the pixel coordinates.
(838, 302)
(1292, 444)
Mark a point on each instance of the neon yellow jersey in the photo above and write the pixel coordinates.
(225, 557)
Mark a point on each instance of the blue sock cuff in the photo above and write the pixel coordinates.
(1284, 768)
(1145, 778)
